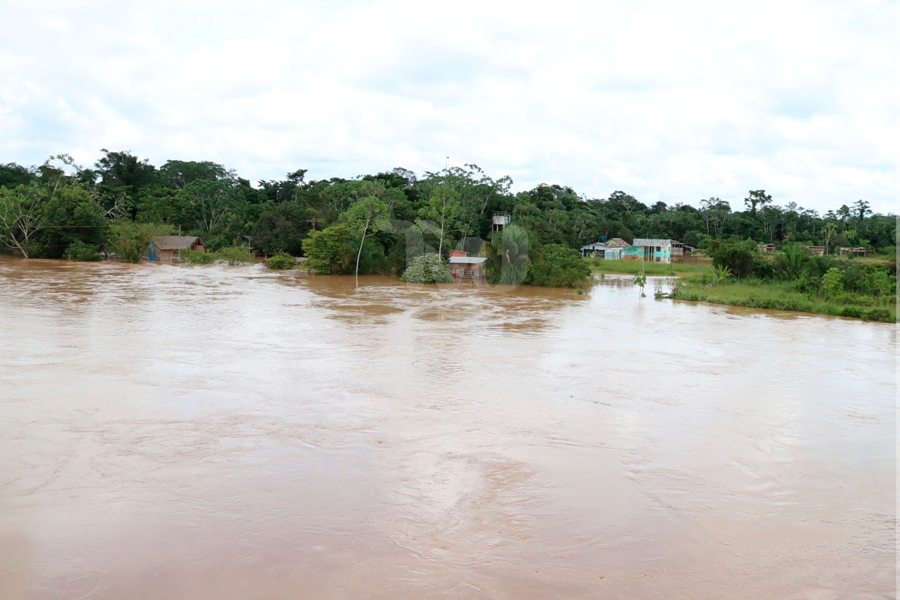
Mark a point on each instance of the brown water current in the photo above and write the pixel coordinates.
(232, 433)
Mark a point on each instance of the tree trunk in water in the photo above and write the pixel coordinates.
(21, 249)
(359, 253)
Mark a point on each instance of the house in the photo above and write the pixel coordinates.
(654, 250)
(602, 250)
(853, 252)
(165, 247)
(768, 247)
(251, 242)
(617, 243)
(463, 266)
(817, 250)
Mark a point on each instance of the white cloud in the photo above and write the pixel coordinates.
(667, 101)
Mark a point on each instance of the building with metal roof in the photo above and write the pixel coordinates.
(463, 266)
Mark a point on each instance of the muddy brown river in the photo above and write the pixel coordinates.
(231, 433)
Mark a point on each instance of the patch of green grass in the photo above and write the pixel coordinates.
(633, 267)
(755, 293)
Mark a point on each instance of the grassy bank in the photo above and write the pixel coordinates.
(633, 267)
(755, 293)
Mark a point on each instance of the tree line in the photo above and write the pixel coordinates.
(47, 210)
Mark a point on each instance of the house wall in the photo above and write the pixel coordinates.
(648, 253)
(475, 271)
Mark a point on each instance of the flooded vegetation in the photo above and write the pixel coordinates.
(237, 432)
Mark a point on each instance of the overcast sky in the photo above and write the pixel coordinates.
(672, 101)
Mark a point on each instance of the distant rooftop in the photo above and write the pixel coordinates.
(176, 242)
(466, 260)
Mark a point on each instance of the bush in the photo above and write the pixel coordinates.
(428, 268)
(196, 257)
(560, 266)
(235, 255)
(131, 240)
(78, 250)
(790, 262)
(832, 283)
(736, 258)
(879, 283)
(763, 268)
(281, 261)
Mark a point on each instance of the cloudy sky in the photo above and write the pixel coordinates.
(667, 101)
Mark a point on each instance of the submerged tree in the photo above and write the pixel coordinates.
(560, 266)
(131, 240)
(330, 250)
(363, 217)
(428, 268)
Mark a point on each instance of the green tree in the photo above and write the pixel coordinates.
(427, 268)
(132, 240)
(284, 226)
(829, 232)
(514, 257)
(363, 217)
(178, 174)
(791, 261)
(757, 198)
(832, 283)
(20, 215)
(330, 251)
(69, 215)
(444, 209)
(210, 201)
(735, 257)
(560, 266)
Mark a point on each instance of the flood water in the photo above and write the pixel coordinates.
(231, 433)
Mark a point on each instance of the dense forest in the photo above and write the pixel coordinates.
(48, 208)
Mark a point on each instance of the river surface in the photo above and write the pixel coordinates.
(231, 433)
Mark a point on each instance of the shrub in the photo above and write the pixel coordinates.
(879, 314)
(281, 261)
(832, 283)
(235, 255)
(736, 258)
(560, 266)
(78, 250)
(131, 240)
(196, 257)
(428, 268)
(763, 268)
(879, 283)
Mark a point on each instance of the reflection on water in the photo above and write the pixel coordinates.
(227, 432)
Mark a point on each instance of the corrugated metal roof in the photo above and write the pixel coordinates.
(618, 242)
(466, 260)
(652, 242)
(176, 242)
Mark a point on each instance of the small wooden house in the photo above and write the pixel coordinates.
(817, 250)
(463, 266)
(165, 247)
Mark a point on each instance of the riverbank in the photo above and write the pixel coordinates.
(698, 266)
(755, 293)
